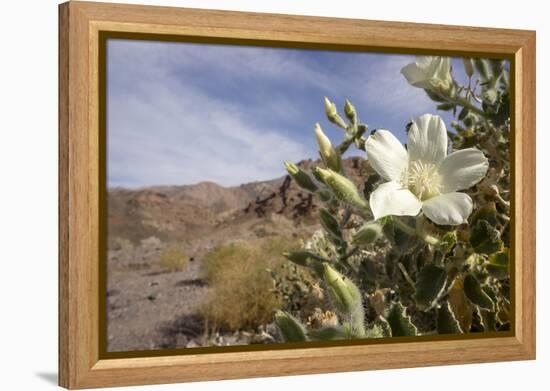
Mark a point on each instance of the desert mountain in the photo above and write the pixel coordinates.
(187, 212)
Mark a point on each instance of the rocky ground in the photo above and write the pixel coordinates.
(151, 307)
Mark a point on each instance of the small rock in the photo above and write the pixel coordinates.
(192, 344)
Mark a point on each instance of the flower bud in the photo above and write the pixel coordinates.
(349, 109)
(329, 155)
(291, 329)
(298, 257)
(468, 66)
(368, 233)
(302, 179)
(344, 294)
(306, 259)
(343, 188)
(332, 114)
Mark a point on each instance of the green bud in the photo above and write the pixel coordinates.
(350, 112)
(468, 66)
(343, 188)
(330, 224)
(483, 67)
(306, 259)
(316, 171)
(291, 329)
(368, 233)
(345, 297)
(332, 114)
(298, 257)
(302, 179)
(490, 96)
(329, 155)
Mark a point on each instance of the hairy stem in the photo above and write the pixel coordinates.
(419, 231)
(406, 275)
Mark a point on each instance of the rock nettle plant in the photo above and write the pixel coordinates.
(422, 245)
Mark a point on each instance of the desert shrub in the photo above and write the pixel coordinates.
(118, 243)
(241, 292)
(173, 259)
(421, 244)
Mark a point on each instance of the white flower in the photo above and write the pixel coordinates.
(423, 177)
(431, 73)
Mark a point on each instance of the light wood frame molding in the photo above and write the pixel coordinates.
(80, 364)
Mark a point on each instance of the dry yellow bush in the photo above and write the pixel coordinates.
(173, 259)
(241, 289)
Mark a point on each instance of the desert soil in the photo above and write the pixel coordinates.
(150, 307)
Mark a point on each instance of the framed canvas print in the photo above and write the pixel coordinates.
(248, 195)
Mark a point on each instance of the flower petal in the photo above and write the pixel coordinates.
(391, 198)
(427, 139)
(386, 155)
(416, 76)
(443, 69)
(448, 209)
(462, 169)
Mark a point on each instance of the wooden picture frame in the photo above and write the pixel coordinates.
(81, 163)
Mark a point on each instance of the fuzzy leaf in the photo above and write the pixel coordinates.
(487, 212)
(460, 305)
(401, 241)
(430, 283)
(379, 329)
(485, 238)
(446, 106)
(291, 329)
(498, 264)
(328, 333)
(474, 292)
(446, 321)
(488, 319)
(330, 224)
(400, 323)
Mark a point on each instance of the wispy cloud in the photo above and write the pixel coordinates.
(185, 113)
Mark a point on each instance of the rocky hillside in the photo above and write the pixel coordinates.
(192, 211)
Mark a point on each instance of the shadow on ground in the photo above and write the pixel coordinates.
(178, 333)
(48, 377)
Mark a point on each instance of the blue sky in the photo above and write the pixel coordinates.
(181, 113)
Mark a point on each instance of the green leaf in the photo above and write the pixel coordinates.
(446, 106)
(460, 305)
(401, 242)
(498, 264)
(291, 329)
(463, 113)
(474, 292)
(329, 223)
(446, 321)
(379, 329)
(400, 323)
(488, 319)
(435, 97)
(328, 333)
(447, 242)
(485, 238)
(487, 212)
(430, 284)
